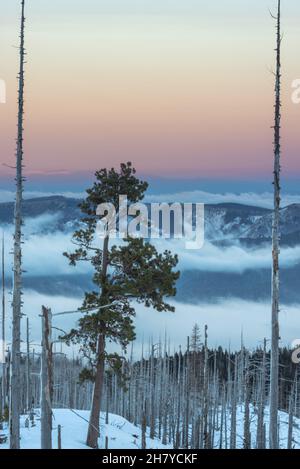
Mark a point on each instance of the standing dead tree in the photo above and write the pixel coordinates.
(3, 377)
(230, 422)
(274, 397)
(17, 269)
(28, 386)
(46, 381)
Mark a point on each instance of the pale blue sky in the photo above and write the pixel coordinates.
(150, 81)
(218, 8)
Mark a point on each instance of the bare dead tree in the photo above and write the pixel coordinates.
(46, 381)
(234, 400)
(260, 441)
(17, 269)
(247, 434)
(206, 435)
(291, 418)
(28, 386)
(3, 382)
(274, 397)
(144, 428)
(187, 397)
(59, 437)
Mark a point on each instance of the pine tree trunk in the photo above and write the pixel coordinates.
(94, 423)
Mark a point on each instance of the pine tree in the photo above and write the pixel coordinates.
(133, 270)
(196, 339)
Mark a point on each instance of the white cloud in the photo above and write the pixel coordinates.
(33, 303)
(225, 319)
(265, 199)
(42, 252)
(43, 256)
(234, 258)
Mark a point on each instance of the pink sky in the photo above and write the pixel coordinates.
(178, 95)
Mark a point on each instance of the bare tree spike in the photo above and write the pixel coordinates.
(274, 396)
(17, 270)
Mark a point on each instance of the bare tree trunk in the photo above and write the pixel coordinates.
(260, 443)
(216, 400)
(291, 418)
(178, 407)
(206, 435)
(144, 427)
(152, 395)
(234, 407)
(273, 436)
(28, 389)
(46, 381)
(17, 270)
(59, 437)
(247, 434)
(187, 397)
(223, 416)
(3, 382)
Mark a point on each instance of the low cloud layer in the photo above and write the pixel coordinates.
(234, 258)
(247, 198)
(43, 253)
(225, 319)
(265, 199)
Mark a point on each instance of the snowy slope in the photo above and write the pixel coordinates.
(124, 435)
(283, 433)
(121, 433)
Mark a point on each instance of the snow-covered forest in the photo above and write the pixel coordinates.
(195, 398)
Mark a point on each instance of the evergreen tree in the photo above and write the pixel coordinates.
(196, 339)
(131, 271)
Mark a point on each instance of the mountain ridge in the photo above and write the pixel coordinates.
(223, 221)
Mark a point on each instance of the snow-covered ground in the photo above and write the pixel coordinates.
(121, 434)
(124, 435)
(283, 418)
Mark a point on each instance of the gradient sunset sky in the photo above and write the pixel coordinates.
(183, 88)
